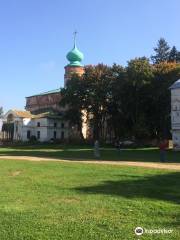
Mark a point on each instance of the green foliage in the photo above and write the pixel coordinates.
(97, 81)
(174, 55)
(159, 104)
(117, 119)
(73, 102)
(139, 71)
(131, 102)
(162, 51)
(140, 74)
(33, 139)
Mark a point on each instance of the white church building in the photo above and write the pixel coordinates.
(175, 114)
(24, 126)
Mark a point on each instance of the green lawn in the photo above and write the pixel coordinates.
(51, 200)
(86, 152)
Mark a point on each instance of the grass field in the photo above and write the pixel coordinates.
(50, 200)
(86, 152)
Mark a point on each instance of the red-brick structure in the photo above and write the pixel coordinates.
(70, 70)
(44, 102)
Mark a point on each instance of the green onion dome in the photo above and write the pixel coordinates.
(75, 57)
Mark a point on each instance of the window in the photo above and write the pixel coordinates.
(55, 124)
(28, 134)
(54, 134)
(38, 124)
(62, 135)
(62, 125)
(38, 134)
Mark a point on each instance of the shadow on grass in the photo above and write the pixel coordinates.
(161, 187)
(86, 153)
(61, 154)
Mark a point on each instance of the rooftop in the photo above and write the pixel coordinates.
(175, 85)
(27, 114)
(46, 93)
(46, 115)
(22, 114)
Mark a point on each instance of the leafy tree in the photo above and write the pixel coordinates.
(90, 94)
(162, 52)
(158, 100)
(97, 80)
(117, 120)
(140, 73)
(72, 101)
(124, 102)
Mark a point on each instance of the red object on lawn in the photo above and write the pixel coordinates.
(164, 145)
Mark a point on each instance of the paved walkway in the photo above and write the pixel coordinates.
(169, 166)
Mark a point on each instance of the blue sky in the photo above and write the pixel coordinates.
(35, 36)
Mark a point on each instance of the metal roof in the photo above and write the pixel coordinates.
(175, 85)
(46, 93)
(22, 114)
(47, 115)
(27, 114)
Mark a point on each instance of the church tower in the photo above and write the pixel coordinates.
(74, 57)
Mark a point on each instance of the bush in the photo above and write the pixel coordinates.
(33, 139)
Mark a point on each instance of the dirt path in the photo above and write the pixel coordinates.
(169, 166)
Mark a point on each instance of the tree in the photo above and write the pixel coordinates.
(125, 102)
(178, 57)
(159, 101)
(73, 102)
(140, 73)
(1, 111)
(89, 94)
(97, 80)
(173, 55)
(117, 121)
(162, 52)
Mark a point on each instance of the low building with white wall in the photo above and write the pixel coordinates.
(23, 126)
(175, 114)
